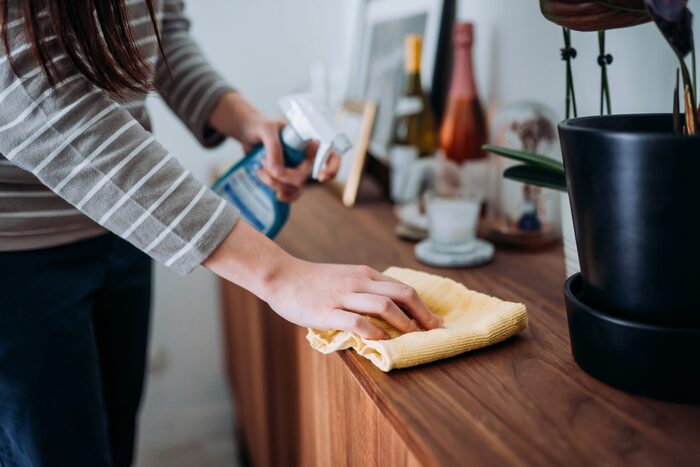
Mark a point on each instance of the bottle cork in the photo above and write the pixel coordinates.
(414, 48)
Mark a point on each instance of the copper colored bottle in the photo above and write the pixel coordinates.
(463, 129)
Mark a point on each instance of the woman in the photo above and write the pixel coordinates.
(86, 193)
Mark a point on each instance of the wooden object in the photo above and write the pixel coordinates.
(357, 119)
(522, 402)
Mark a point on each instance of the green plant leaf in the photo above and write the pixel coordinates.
(595, 15)
(538, 176)
(529, 158)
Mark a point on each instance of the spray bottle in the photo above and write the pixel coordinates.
(256, 201)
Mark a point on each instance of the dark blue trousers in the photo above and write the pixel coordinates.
(73, 336)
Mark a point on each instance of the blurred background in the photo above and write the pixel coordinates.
(269, 48)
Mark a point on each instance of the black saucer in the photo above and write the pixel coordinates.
(662, 362)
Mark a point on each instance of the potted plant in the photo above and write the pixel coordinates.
(634, 318)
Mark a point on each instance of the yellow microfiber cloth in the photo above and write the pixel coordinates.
(472, 320)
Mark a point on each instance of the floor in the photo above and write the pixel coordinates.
(187, 416)
(214, 449)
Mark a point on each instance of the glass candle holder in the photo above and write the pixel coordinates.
(522, 215)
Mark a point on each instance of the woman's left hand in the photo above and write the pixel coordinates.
(235, 117)
(288, 182)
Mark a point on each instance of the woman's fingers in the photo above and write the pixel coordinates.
(286, 193)
(274, 156)
(283, 191)
(406, 297)
(352, 322)
(296, 176)
(331, 169)
(380, 307)
(291, 196)
(312, 149)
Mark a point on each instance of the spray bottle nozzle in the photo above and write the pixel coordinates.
(311, 121)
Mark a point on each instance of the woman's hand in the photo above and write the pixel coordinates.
(235, 117)
(322, 296)
(331, 296)
(289, 183)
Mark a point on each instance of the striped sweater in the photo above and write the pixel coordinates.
(75, 163)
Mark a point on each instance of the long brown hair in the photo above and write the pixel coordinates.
(95, 35)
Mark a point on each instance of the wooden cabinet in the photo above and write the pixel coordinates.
(521, 402)
(295, 406)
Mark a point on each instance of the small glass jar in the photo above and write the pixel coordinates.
(521, 215)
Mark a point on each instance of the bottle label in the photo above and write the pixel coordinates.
(253, 198)
(408, 105)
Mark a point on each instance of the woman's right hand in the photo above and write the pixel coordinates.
(331, 296)
(321, 296)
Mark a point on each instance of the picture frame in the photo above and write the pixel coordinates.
(378, 56)
(356, 119)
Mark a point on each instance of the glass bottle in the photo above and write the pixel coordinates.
(415, 126)
(415, 133)
(463, 130)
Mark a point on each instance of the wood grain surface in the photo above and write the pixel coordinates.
(522, 402)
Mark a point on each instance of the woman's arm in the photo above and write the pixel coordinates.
(80, 144)
(94, 155)
(322, 296)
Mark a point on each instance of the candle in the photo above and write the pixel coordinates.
(452, 220)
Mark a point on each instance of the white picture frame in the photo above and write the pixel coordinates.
(377, 63)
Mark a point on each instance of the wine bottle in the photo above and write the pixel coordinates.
(415, 126)
(463, 130)
(415, 132)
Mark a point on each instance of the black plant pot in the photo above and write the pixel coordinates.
(659, 361)
(635, 193)
(633, 312)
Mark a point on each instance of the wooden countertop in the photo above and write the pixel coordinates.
(522, 402)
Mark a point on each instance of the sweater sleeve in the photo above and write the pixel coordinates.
(188, 84)
(79, 143)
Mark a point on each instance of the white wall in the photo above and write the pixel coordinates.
(517, 58)
(265, 48)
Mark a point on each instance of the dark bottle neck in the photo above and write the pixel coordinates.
(414, 85)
